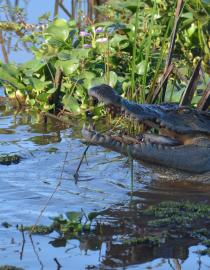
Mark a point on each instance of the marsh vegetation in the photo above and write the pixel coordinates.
(116, 213)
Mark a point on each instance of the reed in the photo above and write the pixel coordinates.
(133, 64)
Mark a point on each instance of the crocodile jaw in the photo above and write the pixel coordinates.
(190, 158)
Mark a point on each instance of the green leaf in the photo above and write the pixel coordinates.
(59, 30)
(69, 66)
(87, 76)
(64, 55)
(119, 41)
(112, 78)
(12, 70)
(80, 53)
(192, 29)
(34, 65)
(97, 81)
(74, 216)
(10, 76)
(37, 84)
(43, 97)
(71, 104)
(55, 43)
(74, 54)
(141, 67)
(52, 90)
(187, 15)
(31, 102)
(93, 215)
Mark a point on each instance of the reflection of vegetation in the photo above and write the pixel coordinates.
(8, 159)
(10, 267)
(159, 223)
(46, 139)
(68, 61)
(129, 235)
(151, 240)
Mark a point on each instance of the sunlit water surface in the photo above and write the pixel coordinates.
(51, 153)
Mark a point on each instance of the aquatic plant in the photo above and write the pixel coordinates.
(8, 159)
(71, 224)
(127, 50)
(176, 214)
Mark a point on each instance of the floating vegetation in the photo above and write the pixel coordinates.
(72, 223)
(6, 224)
(204, 252)
(8, 159)
(37, 229)
(177, 214)
(161, 222)
(10, 267)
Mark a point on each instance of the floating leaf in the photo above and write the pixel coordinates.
(74, 216)
(59, 29)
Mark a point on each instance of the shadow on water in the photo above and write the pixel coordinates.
(104, 185)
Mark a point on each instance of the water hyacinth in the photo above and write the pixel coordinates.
(86, 46)
(99, 30)
(84, 34)
(101, 40)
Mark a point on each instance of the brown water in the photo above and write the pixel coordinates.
(104, 183)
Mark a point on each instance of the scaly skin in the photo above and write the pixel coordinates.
(183, 142)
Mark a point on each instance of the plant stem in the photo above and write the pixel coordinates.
(133, 64)
(148, 53)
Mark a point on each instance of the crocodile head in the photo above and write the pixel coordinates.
(177, 137)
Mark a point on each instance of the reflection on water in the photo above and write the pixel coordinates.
(104, 184)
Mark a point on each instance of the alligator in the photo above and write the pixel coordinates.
(176, 136)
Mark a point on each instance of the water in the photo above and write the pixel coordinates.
(17, 51)
(103, 184)
(51, 154)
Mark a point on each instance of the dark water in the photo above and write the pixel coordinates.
(51, 154)
(104, 184)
